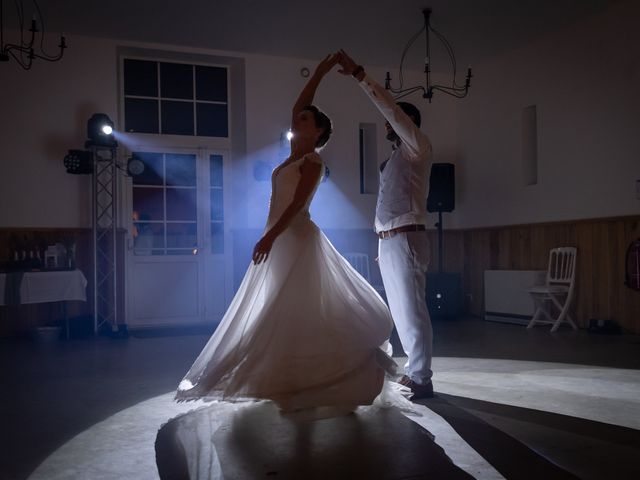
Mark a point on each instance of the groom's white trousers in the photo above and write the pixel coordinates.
(403, 261)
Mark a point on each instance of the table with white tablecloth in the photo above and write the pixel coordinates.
(19, 288)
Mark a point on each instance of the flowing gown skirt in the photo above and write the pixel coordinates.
(303, 330)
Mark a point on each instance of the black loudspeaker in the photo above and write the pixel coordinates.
(442, 188)
(444, 294)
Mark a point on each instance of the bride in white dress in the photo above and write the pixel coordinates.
(304, 328)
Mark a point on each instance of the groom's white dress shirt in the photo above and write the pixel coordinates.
(404, 180)
(403, 258)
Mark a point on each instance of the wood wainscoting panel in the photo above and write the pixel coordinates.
(18, 320)
(600, 274)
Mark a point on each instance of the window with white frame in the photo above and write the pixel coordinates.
(170, 98)
(164, 204)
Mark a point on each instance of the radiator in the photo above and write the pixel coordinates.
(505, 294)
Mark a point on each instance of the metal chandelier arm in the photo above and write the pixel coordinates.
(455, 90)
(18, 51)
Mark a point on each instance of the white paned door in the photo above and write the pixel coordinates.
(178, 257)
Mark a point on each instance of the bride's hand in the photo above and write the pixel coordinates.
(327, 64)
(262, 249)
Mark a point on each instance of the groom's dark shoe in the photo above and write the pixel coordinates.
(419, 391)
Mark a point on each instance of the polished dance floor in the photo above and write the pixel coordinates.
(509, 403)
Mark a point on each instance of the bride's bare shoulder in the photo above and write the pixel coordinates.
(312, 157)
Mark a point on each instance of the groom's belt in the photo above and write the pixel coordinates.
(404, 228)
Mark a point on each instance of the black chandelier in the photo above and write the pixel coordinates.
(25, 51)
(455, 89)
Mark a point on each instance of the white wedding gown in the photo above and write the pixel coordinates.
(304, 327)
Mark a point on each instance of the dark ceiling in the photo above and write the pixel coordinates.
(374, 32)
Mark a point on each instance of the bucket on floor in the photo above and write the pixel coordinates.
(47, 334)
(599, 325)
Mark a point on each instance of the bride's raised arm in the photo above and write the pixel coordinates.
(309, 91)
(308, 135)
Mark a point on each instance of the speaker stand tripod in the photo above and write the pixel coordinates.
(440, 256)
(444, 293)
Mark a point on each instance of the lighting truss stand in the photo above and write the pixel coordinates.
(105, 221)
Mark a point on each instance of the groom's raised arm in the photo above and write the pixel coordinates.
(407, 130)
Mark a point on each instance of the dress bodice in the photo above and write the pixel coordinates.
(284, 181)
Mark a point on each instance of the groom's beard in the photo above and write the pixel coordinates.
(392, 136)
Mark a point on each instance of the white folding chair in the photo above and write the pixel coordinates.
(558, 290)
(359, 261)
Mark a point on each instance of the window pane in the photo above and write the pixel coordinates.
(216, 205)
(140, 115)
(181, 170)
(177, 118)
(148, 203)
(140, 78)
(211, 84)
(215, 170)
(217, 238)
(182, 235)
(148, 236)
(153, 171)
(176, 80)
(181, 204)
(212, 120)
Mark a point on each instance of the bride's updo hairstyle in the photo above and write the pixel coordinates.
(322, 121)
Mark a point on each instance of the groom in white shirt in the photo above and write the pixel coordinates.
(400, 224)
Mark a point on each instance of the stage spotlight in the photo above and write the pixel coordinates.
(78, 162)
(100, 131)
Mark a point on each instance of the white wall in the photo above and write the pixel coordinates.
(46, 111)
(338, 203)
(584, 81)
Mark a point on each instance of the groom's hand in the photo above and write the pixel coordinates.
(349, 66)
(326, 64)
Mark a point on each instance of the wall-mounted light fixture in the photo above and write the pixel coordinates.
(326, 174)
(135, 166)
